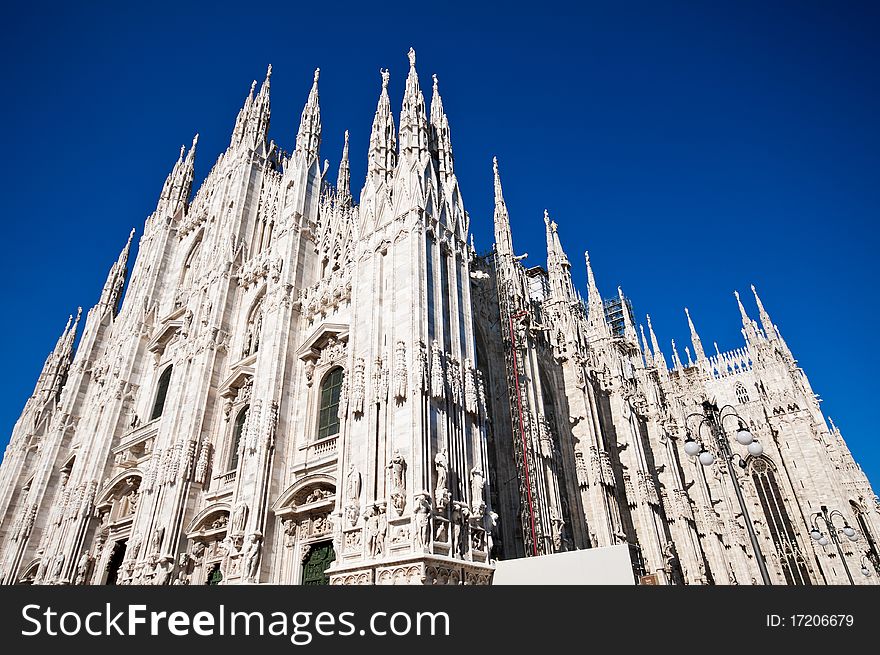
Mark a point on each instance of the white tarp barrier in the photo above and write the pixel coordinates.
(609, 565)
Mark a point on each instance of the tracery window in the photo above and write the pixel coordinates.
(742, 396)
(328, 408)
(161, 393)
(794, 566)
(237, 432)
(252, 333)
(189, 265)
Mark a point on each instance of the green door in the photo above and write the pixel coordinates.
(317, 563)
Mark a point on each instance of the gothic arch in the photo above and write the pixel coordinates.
(779, 522)
(191, 255)
(113, 485)
(295, 495)
(200, 520)
(29, 572)
(254, 324)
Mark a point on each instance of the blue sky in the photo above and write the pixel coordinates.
(693, 150)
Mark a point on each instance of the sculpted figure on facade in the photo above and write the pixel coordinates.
(397, 480)
(441, 491)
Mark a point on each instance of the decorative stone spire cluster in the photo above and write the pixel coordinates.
(659, 359)
(441, 141)
(382, 156)
(503, 237)
(112, 292)
(695, 338)
(629, 330)
(558, 266)
(308, 137)
(178, 185)
(597, 326)
(343, 178)
(252, 124)
(413, 117)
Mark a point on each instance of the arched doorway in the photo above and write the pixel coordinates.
(316, 563)
(117, 555)
(305, 510)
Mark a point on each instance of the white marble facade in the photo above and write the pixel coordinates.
(298, 388)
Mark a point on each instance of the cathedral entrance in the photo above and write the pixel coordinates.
(317, 562)
(215, 576)
(115, 561)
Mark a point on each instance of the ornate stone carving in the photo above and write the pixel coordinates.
(352, 494)
(478, 505)
(400, 371)
(422, 520)
(397, 481)
(357, 390)
(441, 491)
(471, 399)
(437, 382)
(239, 519)
(250, 555)
(375, 527)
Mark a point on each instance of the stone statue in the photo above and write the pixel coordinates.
(352, 494)
(375, 526)
(239, 518)
(477, 483)
(441, 492)
(156, 541)
(163, 571)
(182, 577)
(250, 555)
(397, 469)
(422, 513)
(82, 568)
(57, 567)
(460, 515)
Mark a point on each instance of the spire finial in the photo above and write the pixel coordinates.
(695, 338)
(317, 74)
(547, 217)
(769, 328)
(434, 77)
(412, 58)
(269, 71)
(385, 76)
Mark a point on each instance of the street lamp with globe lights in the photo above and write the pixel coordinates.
(827, 517)
(694, 447)
(865, 570)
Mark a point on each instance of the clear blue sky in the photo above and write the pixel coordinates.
(692, 150)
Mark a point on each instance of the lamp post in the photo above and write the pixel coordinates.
(714, 419)
(865, 570)
(827, 517)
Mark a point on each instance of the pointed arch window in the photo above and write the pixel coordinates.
(189, 265)
(794, 566)
(237, 432)
(161, 393)
(254, 328)
(328, 408)
(742, 395)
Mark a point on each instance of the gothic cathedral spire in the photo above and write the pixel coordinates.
(308, 137)
(413, 117)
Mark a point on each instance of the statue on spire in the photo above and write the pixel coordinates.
(412, 58)
(385, 75)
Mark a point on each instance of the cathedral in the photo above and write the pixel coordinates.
(297, 385)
